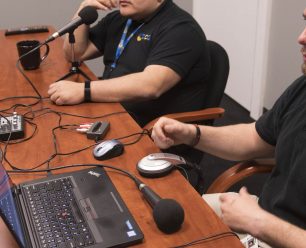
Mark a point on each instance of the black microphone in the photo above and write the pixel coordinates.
(168, 214)
(87, 15)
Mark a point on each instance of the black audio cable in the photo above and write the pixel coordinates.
(22, 72)
(207, 239)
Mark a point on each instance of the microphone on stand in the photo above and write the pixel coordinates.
(168, 214)
(87, 15)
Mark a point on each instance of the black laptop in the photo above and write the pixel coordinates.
(77, 209)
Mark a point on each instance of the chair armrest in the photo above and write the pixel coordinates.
(238, 172)
(192, 116)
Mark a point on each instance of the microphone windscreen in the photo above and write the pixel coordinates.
(168, 215)
(88, 15)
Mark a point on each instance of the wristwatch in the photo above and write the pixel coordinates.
(197, 136)
(87, 94)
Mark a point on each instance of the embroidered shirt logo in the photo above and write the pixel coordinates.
(142, 36)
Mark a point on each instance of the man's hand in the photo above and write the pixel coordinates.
(100, 4)
(241, 211)
(66, 92)
(168, 132)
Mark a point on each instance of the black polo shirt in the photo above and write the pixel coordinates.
(284, 127)
(170, 37)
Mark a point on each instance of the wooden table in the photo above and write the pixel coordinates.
(200, 220)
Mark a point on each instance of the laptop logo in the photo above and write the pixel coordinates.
(131, 232)
(96, 174)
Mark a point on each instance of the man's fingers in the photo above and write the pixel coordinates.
(51, 91)
(243, 191)
(53, 97)
(160, 137)
(101, 6)
(228, 197)
(114, 3)
(223, 197)
(59, 101)
(169, 128)
(158, 130)
(107, 4)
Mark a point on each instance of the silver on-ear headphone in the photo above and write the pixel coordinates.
(158, 164)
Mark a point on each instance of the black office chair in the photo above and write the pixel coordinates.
(217, 81)
(218, 75)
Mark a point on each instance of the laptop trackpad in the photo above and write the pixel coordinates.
(100, 206)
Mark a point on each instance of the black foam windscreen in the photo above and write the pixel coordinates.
(88, 15)
(168, 215)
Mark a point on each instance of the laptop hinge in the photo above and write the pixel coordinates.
(16, 190)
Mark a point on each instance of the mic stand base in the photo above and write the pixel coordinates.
(74, 70)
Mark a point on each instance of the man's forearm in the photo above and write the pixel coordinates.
(125, 88)
(236, 142)
(145, 85)
(278, 233)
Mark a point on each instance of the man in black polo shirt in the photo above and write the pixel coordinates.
(155, 55)
(279, 217)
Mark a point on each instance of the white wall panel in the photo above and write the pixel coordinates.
(233, 24)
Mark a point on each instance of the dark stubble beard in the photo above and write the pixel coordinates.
(303, 49)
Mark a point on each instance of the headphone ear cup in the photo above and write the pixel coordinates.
(153, 168)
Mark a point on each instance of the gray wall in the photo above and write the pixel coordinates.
(51, 12)
(185, 4)
(36, 12)
(284, 56)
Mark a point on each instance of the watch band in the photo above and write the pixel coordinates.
(87, 94)
(197, 136)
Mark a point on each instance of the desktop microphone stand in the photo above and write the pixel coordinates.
(74, 64)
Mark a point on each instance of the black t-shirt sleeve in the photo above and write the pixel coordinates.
(268, 125)
(177, 47)
(98, 33)
(265, 127)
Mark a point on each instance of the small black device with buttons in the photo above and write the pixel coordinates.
(98, 130)
(11, 125)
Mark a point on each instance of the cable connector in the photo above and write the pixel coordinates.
(98, 130)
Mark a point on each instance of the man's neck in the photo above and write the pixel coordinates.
(150, 15)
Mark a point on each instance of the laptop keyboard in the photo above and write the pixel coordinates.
(57, 219)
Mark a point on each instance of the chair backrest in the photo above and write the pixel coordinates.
(218, 74)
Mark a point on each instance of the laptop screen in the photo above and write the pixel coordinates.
(8, 210)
